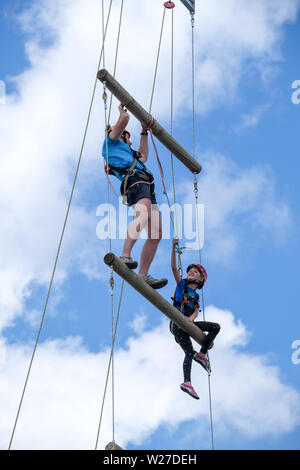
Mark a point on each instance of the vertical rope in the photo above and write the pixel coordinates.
(203, 312)
(111, 280)
(171, 121)
(193, 81)
(157, 59)
(113, 327)
(197, 218)
(108, 369)
(112, 354)
(104, 96)
(116, 55)
(172, 159)
(174, 223)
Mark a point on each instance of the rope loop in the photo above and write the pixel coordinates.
(151, 123)
(195, 185)
(111, 281)
(193, 19)
(157, 158)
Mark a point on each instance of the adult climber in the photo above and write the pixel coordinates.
(137, 189)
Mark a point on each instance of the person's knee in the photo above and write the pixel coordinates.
(143, 208)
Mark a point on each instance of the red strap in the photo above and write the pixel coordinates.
(150, 125)
(106, 169)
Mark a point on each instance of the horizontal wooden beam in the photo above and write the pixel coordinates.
(145, 118)
(154, 297)
(190, 4)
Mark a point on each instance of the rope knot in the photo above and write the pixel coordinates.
(150, 123)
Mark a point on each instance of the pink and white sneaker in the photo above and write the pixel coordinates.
(190, 390)
(203, 360)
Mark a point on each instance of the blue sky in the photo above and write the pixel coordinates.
(246, 140)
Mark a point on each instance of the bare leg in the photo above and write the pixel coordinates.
(146, 216)
(128, 245)
(152, 242)
(136, 226)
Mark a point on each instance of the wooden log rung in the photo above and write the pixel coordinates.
(154, 297)
(145, 118)
(190, 5)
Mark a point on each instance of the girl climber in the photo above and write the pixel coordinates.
(186, 299)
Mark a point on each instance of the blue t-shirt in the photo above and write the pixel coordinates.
(191, 301)
(120, 156)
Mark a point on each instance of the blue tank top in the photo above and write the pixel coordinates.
(119, 157)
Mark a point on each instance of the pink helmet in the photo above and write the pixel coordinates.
(200, 269)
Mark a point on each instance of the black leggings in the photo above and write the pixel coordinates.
(184, 340)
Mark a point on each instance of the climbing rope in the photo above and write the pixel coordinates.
(157, 59)
(58, 250)
(203, 310)
(175, 225)
(168, 5)
(116, 55)
(193, 82)
(197, 215)
(149, 127)
(111, 280)
(108, 368)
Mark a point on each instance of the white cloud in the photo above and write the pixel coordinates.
(139, 323)
(231, 36)
(252, 118)
(62, 403)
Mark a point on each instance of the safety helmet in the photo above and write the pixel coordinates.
(200, 269)
(110, 128)
(124, 134)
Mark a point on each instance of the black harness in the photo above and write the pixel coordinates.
(187, 304)
(129, 171)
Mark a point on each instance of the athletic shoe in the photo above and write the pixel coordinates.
(190, 390)
(155, 283)
(129, 262)
(203, 360)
